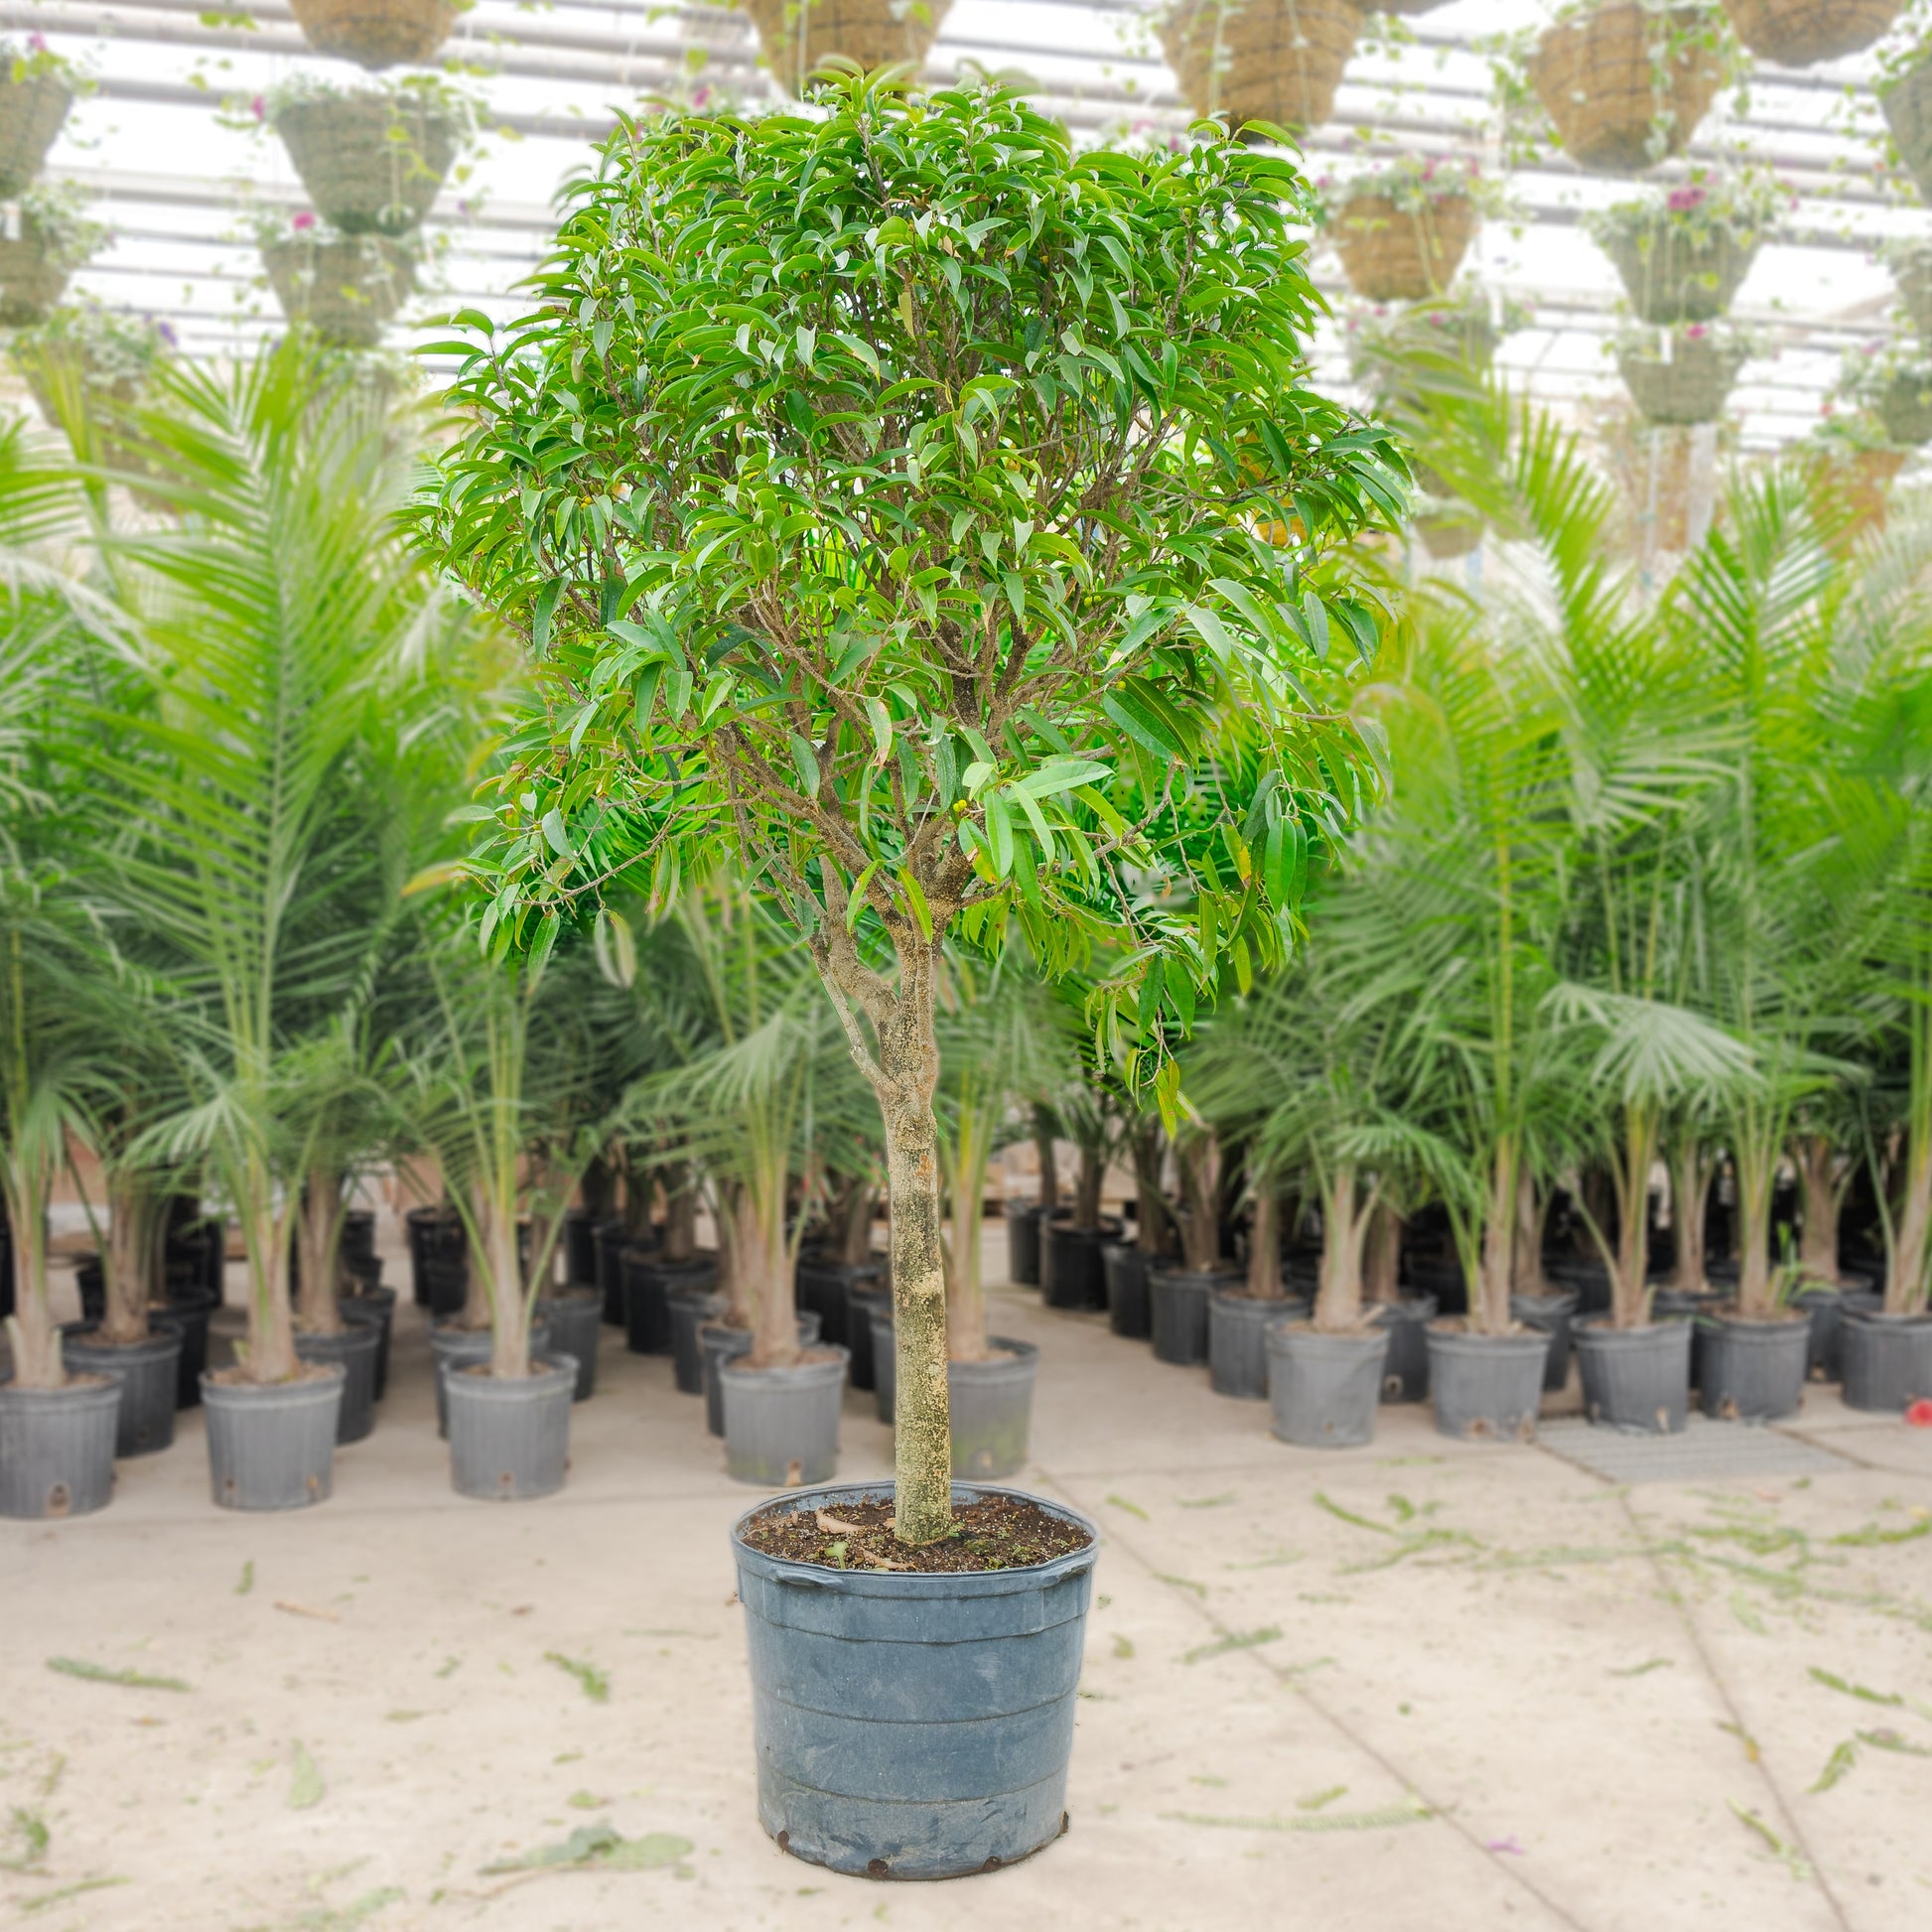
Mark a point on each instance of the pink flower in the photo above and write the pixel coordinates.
(1919, 1414)
(1682, 199)
(259, 108)
(1696, 332)
(303, 221)
(37, 42)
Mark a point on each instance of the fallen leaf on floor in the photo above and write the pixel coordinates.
(247, 1582)
(599, 1848)
(1210, 1502)
(303, 1609)
(403, 1716)
(450, 1664)
(1133, 1509)
(586, 1801)
(305, 1788)
(31, 1829)
(1320, 1800)
(1778, 1848)
(1274, 1560)
(1837, 1768)
(358, 1912)
(1861, 1691)
(1876, 1532)
(1744, 1736)
(1123, 1647)
(1220, 1784)
(596, 1682)
(132, 1680)
(44, 1900)
(1413, 1811)
(1240, 1640)
(1645, 1668)
(1891, 1740)
(1182, 1582)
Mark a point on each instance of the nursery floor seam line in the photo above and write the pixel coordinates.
(1716, 1678)
(1445, 1814)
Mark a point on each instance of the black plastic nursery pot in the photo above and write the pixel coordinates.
(1442, 1281)
(452, 1348)
(378, 1308)
(824, 1286)
(718, 1345)
(1023, 1242)
(1554, 1313)
(147, 1372)
(191, 1312)
(1826, 1308)
(861, 1303)
(571, 1317)
(1072, 1273)
(1685, 1305)
(57, 1448)
(1636, 1381)
(509, 1437)
(884, 1363)
(1587, 1275)
(1237, 1347)
(1127, 1305)
(1485, 1388)
(437, 1245)
(609, 1241)
(271, 1445)
(1323, 1390)
(781, 1425)
(1404, 1369)
(358, 1348)
(647, 1279)
(913, 1726)
(579, 1247)
(1887, 1360)
(1753, 1369)
(1178, 1312)
(690, 1309)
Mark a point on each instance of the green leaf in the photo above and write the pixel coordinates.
(806, 762)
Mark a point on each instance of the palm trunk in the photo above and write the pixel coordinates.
(1822, 1192)
(1526, 1264)
(1382, 1255)
(857, 1204)
(319, 1304)
(730, 1271)
(1086, 1191)
(1905, 1277)
(764, 1268)
(1200, 1227)
(270, 1353)
(1049, 1175)
(681, 1217)
(1691, 1169)
(1344, 1227)
(1629, 1279)
(1489, 1298)
(1756, 1172)
(1152, 1222)
(970, 1153)
(130, 1279)
(509, 1306)
(1265, 1247)
(31, 1333)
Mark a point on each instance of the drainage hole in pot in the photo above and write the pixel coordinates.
(795, 1472)
(315, 1487)
(992, 1863)
(59, 1501)
(877, 1868)
(784, 1840)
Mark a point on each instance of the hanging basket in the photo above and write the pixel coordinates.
(1859, 482)
(1904, 406)
(371, 165)
(1801, 32)
(1397, 254)
(868, 33)
(32, 110)
(1451, 532)
(346, 288)
(1671, 275)
(376, 32)
(1692, 387)
(1912, 271)
(1261, 59)
(1622, 99)
(33, 276)
(1908, 103)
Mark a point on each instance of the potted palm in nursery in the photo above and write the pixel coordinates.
(1155, 1230)
(903, 678)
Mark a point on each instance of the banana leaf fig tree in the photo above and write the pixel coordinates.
(888, 495)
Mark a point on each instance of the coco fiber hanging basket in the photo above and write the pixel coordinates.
(1689, 386)
(1261, 59)
(798, 36)
(32, 110)
(372, 164)
(1904, 406)
(345, 287)
(376, 32)
(1450, 531)
(33, 275)
(1908, 103)
(1625, 85)
(1672, 274)
(1911, 269)
(1393, 254)
(1800, 32)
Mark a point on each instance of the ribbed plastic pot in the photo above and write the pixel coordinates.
(884, 1363)
(452, 1348)
(378, 1308)
(1127, 1303)
(860, 1303)
(608, 1238)
(57, 1448)
(1554, 1313)
(1685, 1305)
(433, 1234)
(1177, 1317)
(719, 1345)
(191, 1312)
(690, 1309)
(1404, 1369)
(356, 1348)
(824, 1286)
(571, 1318)
(509, 1439)
(992, 1405)
(272, 1444)
(1022, 1243)
(1444, 1280)
(1237, 1345)
(781, 1425)
(147, 1372)
(358, 1234)
(1072, 1275)
(911, 1725)
(1486, 1388)
(647, 1279)
(579, 1247)
(1324, 1389)
(1753, 1370)
(1827, 1307)
(1887, 1360)
(1636, 1381)
(1588, 1276)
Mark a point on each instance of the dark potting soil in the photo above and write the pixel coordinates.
(238, 1377)
(999, 1533)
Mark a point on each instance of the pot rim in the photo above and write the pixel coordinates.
(547, 1373)
(309, 1388)
(101, 1390)
(743, 1371)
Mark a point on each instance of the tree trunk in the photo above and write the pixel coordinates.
(1086, 1191)
(319, 1230)
(965, 1293)
(1905, 1275)
(1629, 1279)
(1526, 1264)
(765, 1275)
(510, 1307)
(1690, 1170)
(731, 1271)
(1489, 1301)
(1756, 1177)
(681, 1216)
(31, 1333)
(1823, 1189)
(270, 1356)
(1154, 1220)
(1200, 1178)
(1344, 1225)
(1049, 1175)
(599, 1188)
(640, 1197)
(1265, 1246)
(1382, 1258)
(129, 1273)
(857, 1203)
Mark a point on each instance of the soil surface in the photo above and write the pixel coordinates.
(238, 1377)
(1001, 1533)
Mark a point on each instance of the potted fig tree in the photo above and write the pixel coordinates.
(882, 533)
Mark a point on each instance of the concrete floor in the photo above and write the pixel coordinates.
(1418, 1684)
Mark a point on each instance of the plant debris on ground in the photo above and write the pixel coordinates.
(995, 1533)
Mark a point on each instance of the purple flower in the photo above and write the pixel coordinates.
(1682, 199)
(303, 221)
(259, 108)
(37, 42)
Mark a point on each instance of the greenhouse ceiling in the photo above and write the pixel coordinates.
(171, 144)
